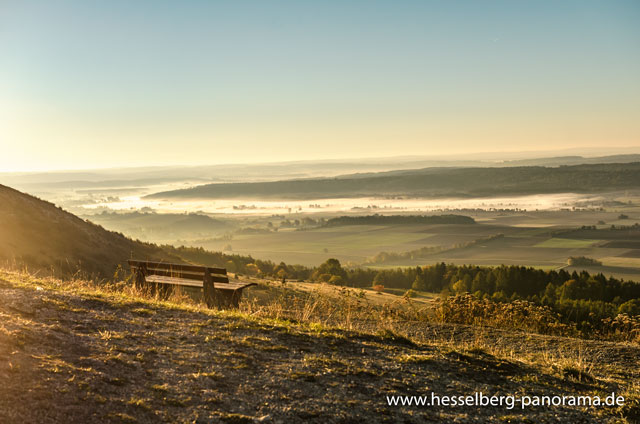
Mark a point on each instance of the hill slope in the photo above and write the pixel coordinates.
(428, 182)
(42, 236)
(82, 355)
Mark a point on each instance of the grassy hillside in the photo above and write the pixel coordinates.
(40, 235)
(461, 182)
(70, 352)
(162, 227)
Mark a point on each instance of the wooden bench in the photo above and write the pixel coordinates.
(160, 277)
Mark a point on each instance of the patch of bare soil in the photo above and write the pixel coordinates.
(97, 357)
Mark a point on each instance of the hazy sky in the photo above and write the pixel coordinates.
(115, 83)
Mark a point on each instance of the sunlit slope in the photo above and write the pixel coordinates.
(70, 352)
(42, 236)
(434, 182)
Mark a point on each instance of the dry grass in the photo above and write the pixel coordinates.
(146, 359)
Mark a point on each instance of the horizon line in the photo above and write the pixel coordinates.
(622, 150)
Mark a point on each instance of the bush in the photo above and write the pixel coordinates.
(410, 293)
(336, 280)
(517, 314)
(631, 308)
(622, 327)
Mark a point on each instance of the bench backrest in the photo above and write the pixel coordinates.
(188, 272)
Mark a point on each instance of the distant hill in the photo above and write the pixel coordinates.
(572, 160)
(40, 235)
(161, 227)
(132, 178)
(433, 182)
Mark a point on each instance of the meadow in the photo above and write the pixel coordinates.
(544, 239)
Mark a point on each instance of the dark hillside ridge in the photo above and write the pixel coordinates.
(434, 182)
(42, 236)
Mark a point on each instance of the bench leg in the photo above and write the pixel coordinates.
(162, 290)
(222, 298)
(235, 298)
(230, 299)
(226, 298)
(140, 282)
(219, 298)
(211, 295)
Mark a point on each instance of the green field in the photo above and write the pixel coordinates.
(310, 247)
(355, 243)
(541, 239)
(567, 243)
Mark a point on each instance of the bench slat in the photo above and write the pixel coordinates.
(191, 274)
(176, 267)
(234, 286)
(174, 271)
(186, 276)
(173, 280)
(194, 283)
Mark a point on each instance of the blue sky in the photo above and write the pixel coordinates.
(192, 82)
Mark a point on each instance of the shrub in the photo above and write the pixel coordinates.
(517, 314)
(631, 307)
(622, 327)
(410, 293)
(336, 280)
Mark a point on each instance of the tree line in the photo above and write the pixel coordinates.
(579, 297)
(378, 219)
